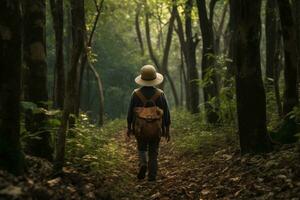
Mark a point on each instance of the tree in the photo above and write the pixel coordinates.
(163, 65)
(210, 88)
(289, 34)
(251, 100)
(35, 60)
(296, 11)
(273, 44)
(57, 12)
(78, 19)
(188, 43)
(12, 159)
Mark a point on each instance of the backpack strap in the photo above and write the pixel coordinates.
(140, 96)
(156, 95)
(144, 99)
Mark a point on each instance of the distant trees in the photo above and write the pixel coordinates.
(12, 159)
(251, 99)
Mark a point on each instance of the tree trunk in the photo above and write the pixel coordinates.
(138, 29)
(251, 100)
(78, 27)
(59, 71)
(100, 91)
(210, 88)
(192, 72)
(12, 159)
(183, 45)
(271, 39)
(296, 6)
(35, 60)
(291, 56)
(163, 67)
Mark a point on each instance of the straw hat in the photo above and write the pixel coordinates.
(149, 76)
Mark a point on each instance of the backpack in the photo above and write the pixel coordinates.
(148, 118)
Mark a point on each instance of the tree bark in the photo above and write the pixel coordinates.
(59, 71)
(251, 100)
(271, 38)
(291, 56)
(296, 6)
(12, 159)
(78, 27)
(210, 89)
(192, 72)
(35, 60)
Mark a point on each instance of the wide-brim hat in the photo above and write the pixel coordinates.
(149, 76)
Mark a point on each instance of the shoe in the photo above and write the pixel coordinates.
(142, 173)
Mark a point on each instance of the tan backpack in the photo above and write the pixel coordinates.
(148, 120)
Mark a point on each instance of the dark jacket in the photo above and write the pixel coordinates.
(161, 102)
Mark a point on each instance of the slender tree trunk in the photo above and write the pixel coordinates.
(84, 55)
(68, 37)
(219, 31)
(291, 56)
(271, 39)
(100, 95)
(273, 45)
(251, 100)
(78, 16)
(138, 29)
(163, 67)
(59, 71)
(149, 43)
(296, 6)
(165, 59)
(229, 42)
(210, 89)
(35, 60)
(12, 159)
(192, 72)
(183, 45)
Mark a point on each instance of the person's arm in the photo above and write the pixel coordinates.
(166, 116)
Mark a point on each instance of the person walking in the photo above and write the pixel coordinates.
(148, 120)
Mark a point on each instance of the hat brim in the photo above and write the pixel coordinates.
(159, 79)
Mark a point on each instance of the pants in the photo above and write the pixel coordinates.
(152, 147)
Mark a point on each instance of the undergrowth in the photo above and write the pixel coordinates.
(191, 135)
(93, 147)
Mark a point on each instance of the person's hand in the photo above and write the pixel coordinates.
(129, 133)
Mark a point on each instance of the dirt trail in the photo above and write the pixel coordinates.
(218, 173)
(175, 180)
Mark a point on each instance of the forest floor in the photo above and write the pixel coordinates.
(214, 171)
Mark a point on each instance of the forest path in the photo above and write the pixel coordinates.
(215, 171)
(179, 177)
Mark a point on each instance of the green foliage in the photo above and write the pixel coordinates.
(225, 103)
(192, 135)
(49, 125)
(92, 147)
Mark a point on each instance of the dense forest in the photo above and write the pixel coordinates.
(231, 73)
